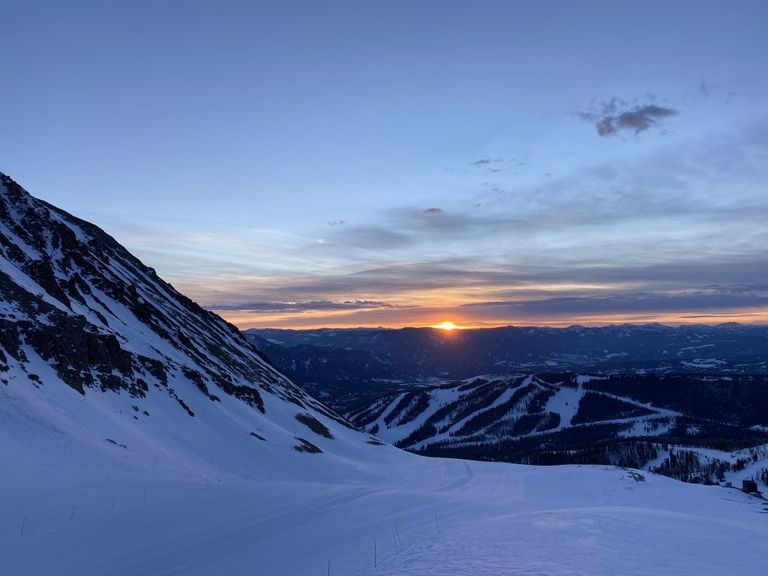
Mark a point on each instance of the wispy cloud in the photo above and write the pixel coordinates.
(464, 275)
(293, 307)
(486, 161)
(630, 307)
(376, 238)
(631, 303)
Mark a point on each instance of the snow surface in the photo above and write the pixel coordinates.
(199, 497)
(565, 402)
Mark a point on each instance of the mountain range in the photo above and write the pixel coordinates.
(343, 365)
(648, 395)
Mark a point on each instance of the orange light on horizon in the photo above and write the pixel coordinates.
(396, 318)
(447, 325)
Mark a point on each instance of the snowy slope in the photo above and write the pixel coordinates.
(573, 419)
(489, 409)
(411, 516)
(709, 465)
(141, 435)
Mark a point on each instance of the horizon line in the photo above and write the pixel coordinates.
(498, 326)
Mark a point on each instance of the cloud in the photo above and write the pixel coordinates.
(704, 87)
(632, 303)
(306, 306)
(484, 162)
(714, 305)
(616, 115)
(729, 278)
(679, 225)
(676, 201)
(369, 238)
(408, 227)
(439, 224)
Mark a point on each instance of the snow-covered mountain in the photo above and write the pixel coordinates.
(141, 435)
(626, 420)
(99, 348)
(495, 412)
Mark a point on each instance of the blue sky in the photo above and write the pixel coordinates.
(395, 163)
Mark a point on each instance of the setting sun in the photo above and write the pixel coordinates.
(446, 326)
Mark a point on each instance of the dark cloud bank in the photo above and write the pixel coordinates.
(643, 303)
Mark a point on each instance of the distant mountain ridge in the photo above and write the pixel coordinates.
(332, 364)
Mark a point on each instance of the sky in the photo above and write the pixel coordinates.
(404, 163)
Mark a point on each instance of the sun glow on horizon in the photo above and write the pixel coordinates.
(447, 325)
(396, 318)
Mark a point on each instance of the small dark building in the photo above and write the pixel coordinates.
(749, 486)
